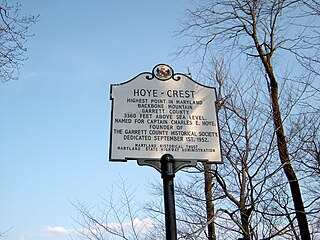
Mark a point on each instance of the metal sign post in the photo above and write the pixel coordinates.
(167, 174)
(166, 121)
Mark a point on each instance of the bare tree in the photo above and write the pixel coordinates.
(265, 32)
(230, 200)
(248, 194)
(249, 155)
(14, 33)
(118, 217)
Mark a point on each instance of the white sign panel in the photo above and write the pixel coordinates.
(164, 113)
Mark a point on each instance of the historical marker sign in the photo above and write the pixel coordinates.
(161, 113)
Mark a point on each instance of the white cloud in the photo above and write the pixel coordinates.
(144, 223)
(139, 225)
(57, 230)
(22, 237)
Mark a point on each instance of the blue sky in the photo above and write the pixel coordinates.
(54, 121)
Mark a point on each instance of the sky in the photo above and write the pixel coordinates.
(55, 120)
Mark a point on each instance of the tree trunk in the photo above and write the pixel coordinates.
(245, 224)
(265, 58)
(287, 167)
(283, 148)
(209, 203)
